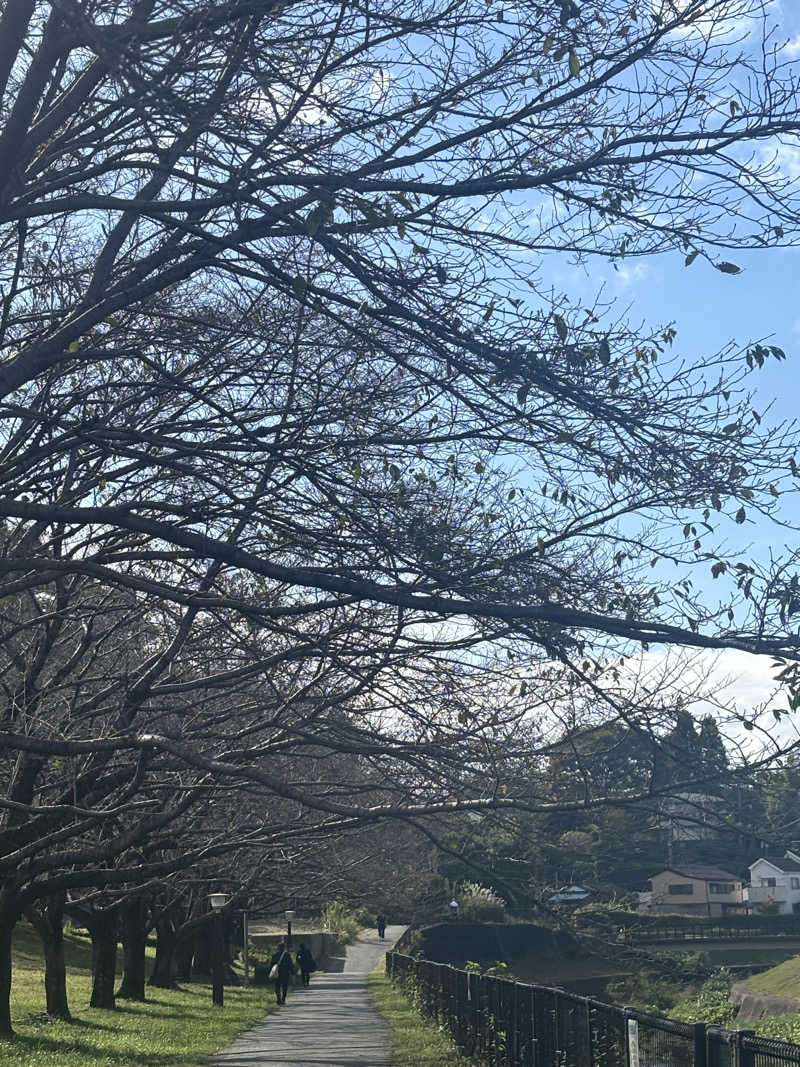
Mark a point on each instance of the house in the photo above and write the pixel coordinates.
(698, 891)
(775, 882)
(569, 894)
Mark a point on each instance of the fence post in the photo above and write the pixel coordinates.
(743, 1057)
(700, 1045)
(631, 1032)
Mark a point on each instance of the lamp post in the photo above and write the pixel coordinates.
(217, 902)
(289, 917)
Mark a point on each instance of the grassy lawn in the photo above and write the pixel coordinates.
(780, 981)
(175, 1028)
(415, 1042)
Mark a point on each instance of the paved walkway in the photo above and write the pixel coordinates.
(332, 1023)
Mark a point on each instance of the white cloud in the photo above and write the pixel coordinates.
(787, 157)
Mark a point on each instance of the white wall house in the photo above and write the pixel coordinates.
(775, 880)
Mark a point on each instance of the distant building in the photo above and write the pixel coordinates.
(691, 817)
(775, 882)
(701, 891)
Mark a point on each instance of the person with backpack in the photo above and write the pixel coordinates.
(306, 962)
(281, 971)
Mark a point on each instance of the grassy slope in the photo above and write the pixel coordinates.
(174, 1028)
(415, 1042)
(780, 981)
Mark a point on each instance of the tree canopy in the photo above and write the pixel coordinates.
(298, 437)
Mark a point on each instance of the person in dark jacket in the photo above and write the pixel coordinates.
(285, 969)
(381, 924)
(306, 962)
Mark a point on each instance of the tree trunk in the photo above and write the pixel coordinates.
(163, 976)
(184, 953)
(49, 925)
(6, 928)
(9, 914)
(229, 955)
(134, 940)
(202, 951)
(103, 928)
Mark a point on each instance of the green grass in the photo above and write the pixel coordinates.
(174, 1028)
(780, 981)
(415, 1042)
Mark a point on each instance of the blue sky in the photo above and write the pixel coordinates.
(710, 310)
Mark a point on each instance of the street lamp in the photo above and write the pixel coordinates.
(289, 916)
(217, 902)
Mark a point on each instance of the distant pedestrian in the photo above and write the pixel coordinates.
(306, 962)
(454, 909)
(282, 972)
(381, 921)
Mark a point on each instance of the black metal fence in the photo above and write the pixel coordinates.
(501, 1023)
(739, 928)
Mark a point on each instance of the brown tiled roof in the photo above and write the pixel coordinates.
(781, 864)
(705, 874)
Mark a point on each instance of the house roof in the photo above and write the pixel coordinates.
(778, 864)
(703, 874)
(571, 892)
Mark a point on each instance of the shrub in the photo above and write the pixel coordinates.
(498, 969)
(340, 920)
(481, 904)
(709, 1004)
(415, 946)
(769, 907)
(647, 992)
(364, 916)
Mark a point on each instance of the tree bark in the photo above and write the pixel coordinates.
(229, 955)
(9, 914)
(103, 929)
(6, 928)
(134, 940)
(49, 924)
(184, 954)
(163, 976)
(202, 951)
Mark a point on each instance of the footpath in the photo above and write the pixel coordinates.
(331, 1023)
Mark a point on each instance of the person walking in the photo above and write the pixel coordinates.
(284, 969)
(306, 962)
(381, 923)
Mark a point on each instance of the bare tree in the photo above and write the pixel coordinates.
(283, 373)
